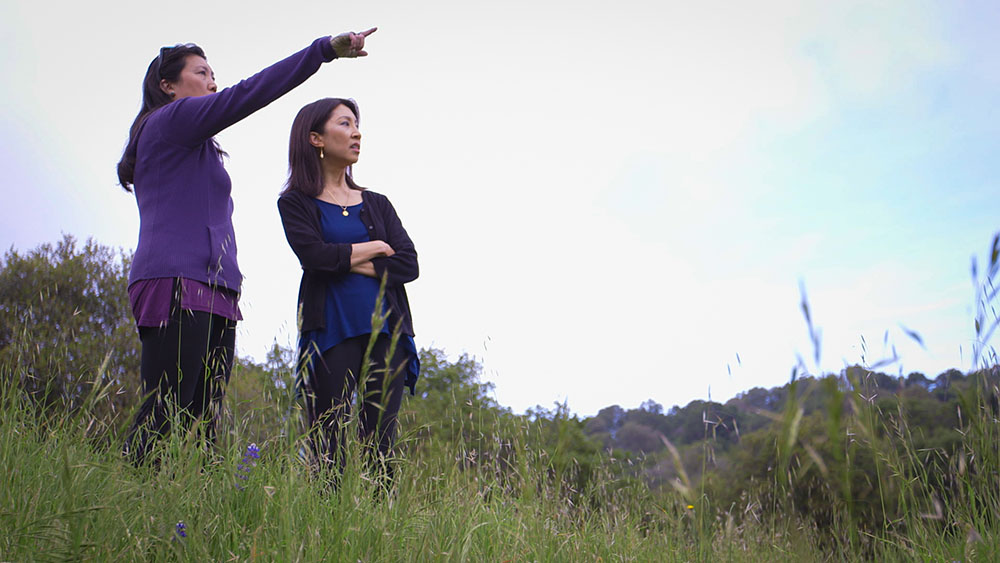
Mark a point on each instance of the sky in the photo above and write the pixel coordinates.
(611, 201)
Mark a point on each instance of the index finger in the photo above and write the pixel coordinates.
(369, 32)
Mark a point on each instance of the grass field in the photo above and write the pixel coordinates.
(65, 496)
(837, 474)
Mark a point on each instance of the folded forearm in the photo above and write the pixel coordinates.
(365, 269)
(362, 252)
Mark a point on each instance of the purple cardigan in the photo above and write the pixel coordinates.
(181, 185)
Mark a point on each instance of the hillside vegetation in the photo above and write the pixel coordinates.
(857, 465)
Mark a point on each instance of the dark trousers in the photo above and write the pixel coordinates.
(185, 368)
(330, 386)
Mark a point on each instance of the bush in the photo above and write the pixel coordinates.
(66, 329)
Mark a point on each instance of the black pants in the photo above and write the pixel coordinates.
(185, 368)
(330, 386)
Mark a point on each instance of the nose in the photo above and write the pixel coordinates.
(212, 86)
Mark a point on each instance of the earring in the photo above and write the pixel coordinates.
(172, 94)
(321, 153)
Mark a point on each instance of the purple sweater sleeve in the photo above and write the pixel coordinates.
(191, 121)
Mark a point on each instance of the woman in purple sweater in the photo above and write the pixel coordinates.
(184, 283)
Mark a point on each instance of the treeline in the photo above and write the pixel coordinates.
(729, 449)
(856, 454)
(931, 407)
(641, 430)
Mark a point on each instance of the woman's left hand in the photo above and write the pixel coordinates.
(350, 44)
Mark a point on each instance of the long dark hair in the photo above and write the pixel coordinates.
(167, 66)
(305, 172)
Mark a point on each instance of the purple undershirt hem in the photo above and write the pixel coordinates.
(151, 300)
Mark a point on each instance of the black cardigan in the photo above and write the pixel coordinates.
(322, 261)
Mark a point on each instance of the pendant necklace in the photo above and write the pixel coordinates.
(342, 207)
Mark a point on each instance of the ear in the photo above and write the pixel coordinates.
(315, 139)
(166, 86)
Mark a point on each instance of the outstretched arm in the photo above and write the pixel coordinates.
(195, 119)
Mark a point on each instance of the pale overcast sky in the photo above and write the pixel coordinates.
(611, 200)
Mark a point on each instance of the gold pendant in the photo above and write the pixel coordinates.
(345, 213)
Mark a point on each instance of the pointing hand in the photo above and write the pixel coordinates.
(350, 44)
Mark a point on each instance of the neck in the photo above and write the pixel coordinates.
(335, 179)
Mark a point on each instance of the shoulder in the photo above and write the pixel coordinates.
(155, 122)
(379, 204)
(371, 195)
(292, 196)
(168, 124)
(293, 199)
(375, 199)
(165, 114)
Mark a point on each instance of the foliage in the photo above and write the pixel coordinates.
(260, 403)
(95, 507)
(66, 331)
(856, 465)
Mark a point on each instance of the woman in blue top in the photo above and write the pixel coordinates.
(348, 240)
(184, 278)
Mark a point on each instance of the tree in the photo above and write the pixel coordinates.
(66, 324)
(637, 438)
(918, 379)
(604, 427)
(452, 408)
(649, 405)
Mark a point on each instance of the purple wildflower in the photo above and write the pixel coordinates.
(247, 464)
(180, 529)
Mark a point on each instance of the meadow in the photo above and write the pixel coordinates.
(853, 466)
